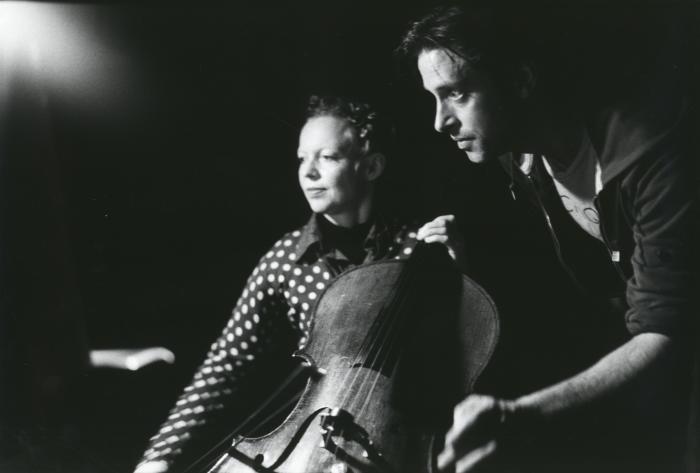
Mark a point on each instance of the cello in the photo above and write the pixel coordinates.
(394, 345)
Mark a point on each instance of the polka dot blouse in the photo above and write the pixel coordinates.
(281, 291)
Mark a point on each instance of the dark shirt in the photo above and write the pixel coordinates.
(648, 213)
(648, 217)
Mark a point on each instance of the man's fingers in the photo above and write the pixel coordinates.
(478, 459)
(442, 222)
(436, 239)
(465, 416)
(446, 459)
(475, 461)
(444, 218)
(475, 441)
(473, 424)
(152, 467)
(429, 228)
(437, 224)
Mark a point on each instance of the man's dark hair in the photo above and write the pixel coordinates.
(483, 38)
(571, 64)
(371, 127)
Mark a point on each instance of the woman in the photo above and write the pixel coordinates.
(341, 157)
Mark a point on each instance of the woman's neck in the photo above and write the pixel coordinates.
(358, 216)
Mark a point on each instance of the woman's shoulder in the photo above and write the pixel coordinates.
(292, 244)
(399, 235)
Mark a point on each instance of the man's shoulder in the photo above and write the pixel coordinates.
(630, 130)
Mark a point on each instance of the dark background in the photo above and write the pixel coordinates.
(140, 189)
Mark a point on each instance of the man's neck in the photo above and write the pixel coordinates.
(553, 133)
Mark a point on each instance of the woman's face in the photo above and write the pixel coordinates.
(332, 171)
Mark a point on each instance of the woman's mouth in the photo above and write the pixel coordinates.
(313, 191)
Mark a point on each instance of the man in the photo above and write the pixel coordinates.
(342, 154)
(623, 175)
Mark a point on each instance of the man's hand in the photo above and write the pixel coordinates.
(443, 229)
(481, 428)
(486, 431)
(152, 467)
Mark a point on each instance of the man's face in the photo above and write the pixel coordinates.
(331, 167)
(469, 106)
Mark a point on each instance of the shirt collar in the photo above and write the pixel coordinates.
(525, 162)
(311, 243)
(310, 237)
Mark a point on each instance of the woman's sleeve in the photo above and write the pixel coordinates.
(212, 393)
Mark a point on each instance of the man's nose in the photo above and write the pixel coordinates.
(444, 118)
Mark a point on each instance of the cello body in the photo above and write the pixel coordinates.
(389, 356)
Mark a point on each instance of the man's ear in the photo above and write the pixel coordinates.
(526, 80)
(376, 162)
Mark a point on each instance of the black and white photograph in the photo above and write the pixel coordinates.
(349, 237)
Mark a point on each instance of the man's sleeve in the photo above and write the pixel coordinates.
(662, 195)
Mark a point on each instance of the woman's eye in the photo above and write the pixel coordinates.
(330, 157)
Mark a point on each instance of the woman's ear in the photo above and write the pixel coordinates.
(376, 162)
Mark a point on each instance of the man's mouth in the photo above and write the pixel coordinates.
(464, 145)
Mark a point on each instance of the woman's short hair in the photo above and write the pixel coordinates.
(372, 128)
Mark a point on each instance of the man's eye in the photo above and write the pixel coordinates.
(456, 95)
(330, 157)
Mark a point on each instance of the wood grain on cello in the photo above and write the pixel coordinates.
(395, 344)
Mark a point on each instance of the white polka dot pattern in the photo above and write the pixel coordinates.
(283, 288)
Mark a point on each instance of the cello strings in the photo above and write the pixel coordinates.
(211, 453)
(371, 343)
(392, 342)
(396, 306)
(398, 324)
(268, 401)
(387, 323)
(417, 261)
(366, 346)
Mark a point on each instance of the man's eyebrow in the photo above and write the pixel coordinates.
(449, 87)
(463, 81)
(445, 87)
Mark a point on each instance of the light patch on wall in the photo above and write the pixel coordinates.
(57, 48)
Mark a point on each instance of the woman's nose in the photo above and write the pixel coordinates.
(310, 169)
